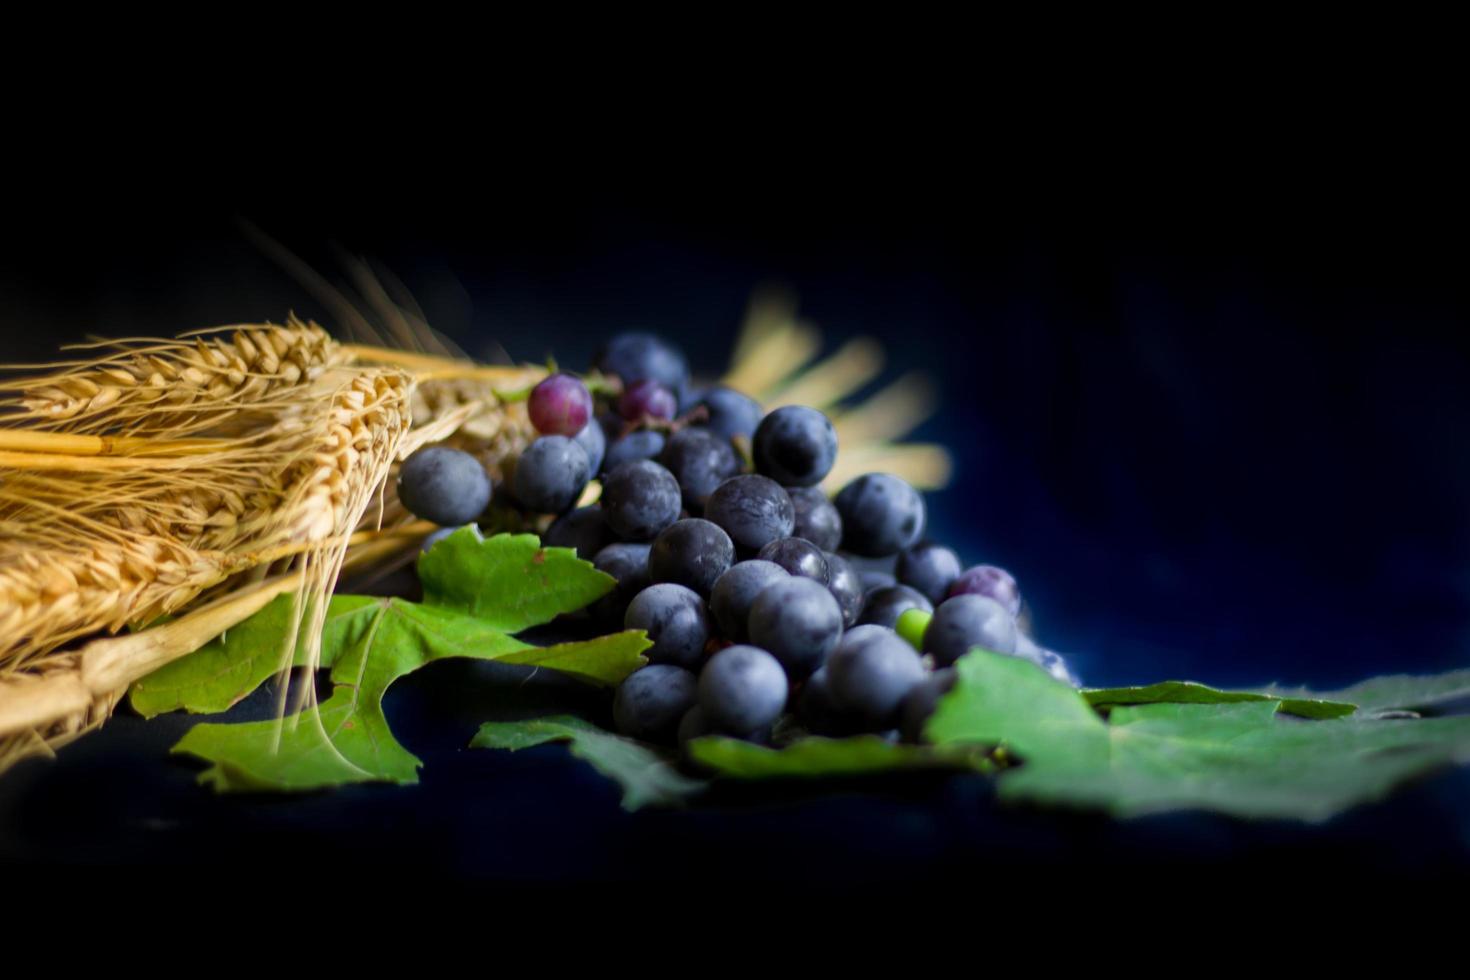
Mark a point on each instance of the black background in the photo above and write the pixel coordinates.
(1207, 399)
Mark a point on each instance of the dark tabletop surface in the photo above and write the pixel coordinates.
(117, 800)
(1215, 437)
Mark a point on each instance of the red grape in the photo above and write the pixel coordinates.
(647, 398)
(991, 582)
(560, 406)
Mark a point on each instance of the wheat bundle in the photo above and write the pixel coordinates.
(216, 462)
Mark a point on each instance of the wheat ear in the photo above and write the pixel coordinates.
(196, 382)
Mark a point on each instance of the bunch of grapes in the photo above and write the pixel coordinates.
(760, 594)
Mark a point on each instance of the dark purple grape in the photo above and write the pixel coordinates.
(817, 519)
(700, 461)
(882, 607)
(435, 537)
(593, 443)
(693, 725)
(795, 446)
(874, 579)
(647, 399)
(628, 563)
(643, 444)
(560, 405)
(871, 672)
(846, 588)
(991, 582)
(444, 485)
(736, 592)
(753, 510)
(582, 530)
(921, 702)
(928, 568)
(640, 499)
(651, 701)
(1053, 663)
(881, 515)
(612, 424)
(820, 713)
(693, 553)
(675, 620)
(731, 414)
(638, 357)
(967, 621)
(798, 557)
(690, 398)
(1048, 660)
(551, 474)
(742, 690)
(798, 622)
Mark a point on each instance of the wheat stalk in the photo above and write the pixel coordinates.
(70, 694)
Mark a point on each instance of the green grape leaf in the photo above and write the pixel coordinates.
(227, 668)
(346, 738)
(647, 775)
(1188, 692)
(497, 580)
(822, 757)
(478, 592)
(1395, 691)
(509, 581)
(1244, 758)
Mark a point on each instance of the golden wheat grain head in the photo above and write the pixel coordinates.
(175, 387)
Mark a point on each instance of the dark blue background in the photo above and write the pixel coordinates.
(1214, 422)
